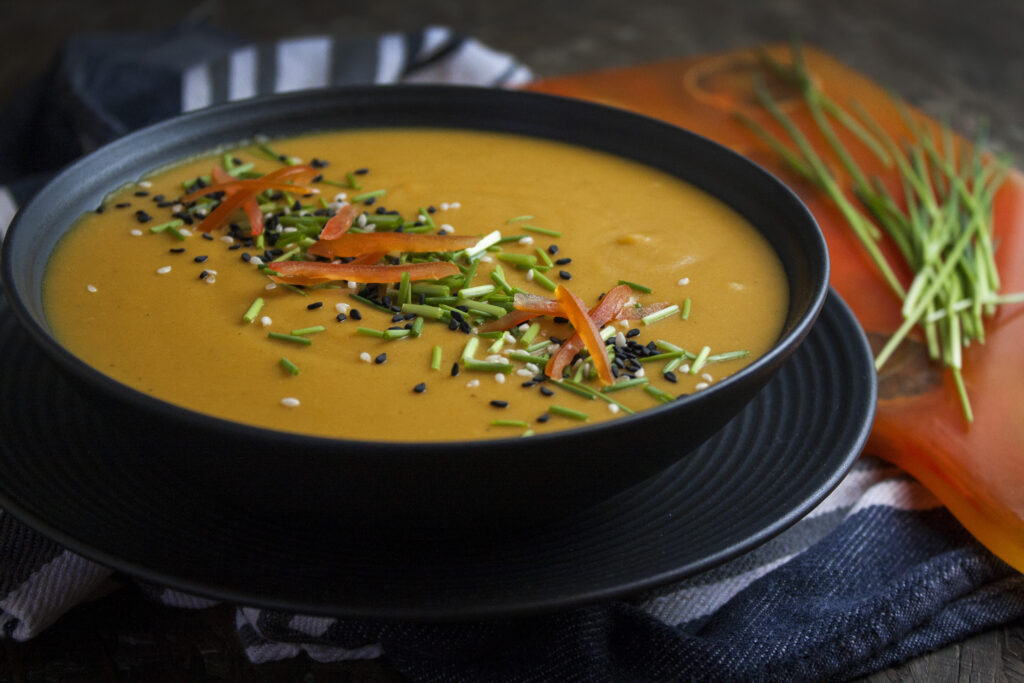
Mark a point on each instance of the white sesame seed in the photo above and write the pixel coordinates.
(290, 402)
(701, 385)
(266, 321)
(447, 229)
(145, 183)
(639, 373)
(135, 232)
(340, 198)
(209, 279)
(361, 221)
(487, 258)
(365, 357)
(200, 212)
(683, 281)
(736, 286)
(92, 288)
(509, 339)
(353, 285)
(289, 229)
(551, 348)
(624, 323)
(495, 358)
(499, 377)
(270, 285)
(256, 261)
(163, 270)
(529, 275)
(342, 308)
(707, 377)
(227, 239)
(532, 368)
(444, 206)
(185, 231)
(620, 340)
(177, 208)
(211, 271)
(472, 384)
(267, 216)
(525, 241)
(455, 205)
(612, 408)
(524, 327)
(684, 368)
(523, 372)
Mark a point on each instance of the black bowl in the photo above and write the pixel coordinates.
(428, 488)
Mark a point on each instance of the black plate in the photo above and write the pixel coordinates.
(68, 469)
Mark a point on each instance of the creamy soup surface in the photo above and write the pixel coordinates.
(164, 314)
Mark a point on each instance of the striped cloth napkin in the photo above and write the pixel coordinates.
(877, 573)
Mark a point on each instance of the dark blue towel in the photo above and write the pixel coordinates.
(877, 573)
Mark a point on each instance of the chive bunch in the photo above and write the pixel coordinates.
(941, 225)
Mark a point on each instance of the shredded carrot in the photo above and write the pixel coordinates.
(356, 244)
(585, 327)
(339, 223)
(508, 321)
(250, 205)
(368, 259)
(313, 272)
(254, 186)
(537, 304)
(609, 308)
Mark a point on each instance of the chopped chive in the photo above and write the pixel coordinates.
(636, 287)
(544, 257)
(169, 225)
(597, 394)
(479, 290)
(699, 361)
(498, 276)
(660, 315)
(424, 216)
(668, 355)
(575, 387)
(290, 337)
(372, 194)
(370, 302)
(659, 394)
(487, 366)
(523, 357)
(470, 349)
(435, 358)
(672, 365)
(481, 246)
(518, 260)
(686, 309)
(496, 346)
(253, 310)
(728, 355)
(424, 310)
(396, 334)
(352, 183)
(530, 334)
(667, 346)
(519, 218)
(308, 330)
(568, 412)
(386, 221)
(369, 332)
(289, 366)
(483, 308)
(625, 384)
(537, 346)
(417, 326)
(405, 289)
(543, 281)
(541, 231)
(509, 423)
(430, 289)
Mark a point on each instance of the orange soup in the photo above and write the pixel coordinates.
(415, 285)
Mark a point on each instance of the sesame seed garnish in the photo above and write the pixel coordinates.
(381, 358)
(141, 193)
(92, 288)
(356, 315)
(290, 402)
(499, 404)
(207, 236)
(523, 372)
(707, 377)
(612, 408)
(227, 239)
(670, 376)
(525, 241)
(701, 385)
(420, 388)
(529, 275)
(544, 418)
(270, 285)
(553, 249)
(315, 305)
(563, 261)
(473, 383)
(145, 183)
(163, 270)
(135, 232)
(455, 205)
(203, 275)
(499, 377)
(210, 280)
(142, 217)
(683, 281)
(266, 321)
(565, 275)
(342, 307)
(177, 250)
(455, 369)
(546, 391)
(341, 317)
(365, 357)
(122, 205)
(684, 368)
(201, 258)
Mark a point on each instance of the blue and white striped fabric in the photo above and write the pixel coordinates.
(877, 573)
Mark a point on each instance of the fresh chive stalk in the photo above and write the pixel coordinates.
(541, 231)
(700, 360)
(636, 287)
(568, 412)
(541, 279)
(289, 366)
(660, 315)
(302, 331)
(290, 338)
(659, 394)
(254, 310)
(685, 314)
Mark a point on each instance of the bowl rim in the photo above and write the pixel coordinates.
(181, 123)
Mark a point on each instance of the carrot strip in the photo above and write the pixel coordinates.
(587, 329)
(254, 186)
(314, 272)
(252, 210)
(220, 215)
(339, 223)
(609, 308)
(350, 244)
(508, 321)
(537, 304)
(368, 259)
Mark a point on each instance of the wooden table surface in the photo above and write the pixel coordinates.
(953, 60)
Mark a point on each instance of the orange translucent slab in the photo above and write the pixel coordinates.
(977, 470)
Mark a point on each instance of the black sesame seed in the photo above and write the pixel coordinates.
(297, 206)
(207, 236)
(341, 317)
(544, 418)
(100, 208)
(420, 388)
(381, 358)
(318, 163)
(527, 385)
(453, 324)
(397, 318)
(141, 193)
(246, 256)
(201, 258)
(142, 217)
(356, 315)
(431, 209)
(565, 275)
(553, 249)
(203, 275)
(381, 210)
(633, 332)
(164, 205)
(671, 377)
(177, 250)
(158, 198)
(409, 316)
(361, 171)
(499, 404)
(564, 261)
(546, 391)
(560, 320)
(369, 201)
(315, 305)
(464, 326)
(457, 316)
(317, 178)
(234, 247)
(455, 369)
(122, 205)
(555, 340)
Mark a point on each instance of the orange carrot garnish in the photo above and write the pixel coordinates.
(508, 321)
(254, 186)
(339, 223)
(313, 272)
(587, 329)
(539, 305)
(609, 308)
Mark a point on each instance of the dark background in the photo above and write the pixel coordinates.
(955, 59)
